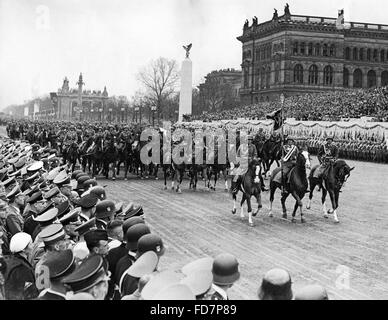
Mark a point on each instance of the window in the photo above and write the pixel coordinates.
(332, 50)
(302, 48)
(257, 54)
(257, 79)
(262, 78)
(317, 50)
(346, 78)
(375, 55)
(357, 78)
(355, 54)
(368, 55)
(298, 74)
(246, 77)
(296, 48)
(361, 54)
(382, 55)
(268, 77)
(325, 50)
(310, 49)
(277, 73)
(347, 53)
(371, 79)
(384, 78)
(313, 75)
(328, 76)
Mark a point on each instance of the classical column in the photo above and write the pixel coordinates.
(378, 78)
(350, 78)
(185, 98)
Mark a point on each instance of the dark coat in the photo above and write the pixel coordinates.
(19, 279)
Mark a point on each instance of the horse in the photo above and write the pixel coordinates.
(110, 157)
(297, 187)
(72, 155)
(250, 186)
(124, 151)
(95, 154)
(337, 174)
(271, 151)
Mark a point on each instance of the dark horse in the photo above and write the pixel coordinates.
(72, 155)
(271, 151)
(337, 175)
(110, 157)
(297, 187)
(250, 186)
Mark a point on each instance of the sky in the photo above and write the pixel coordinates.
(109, 41)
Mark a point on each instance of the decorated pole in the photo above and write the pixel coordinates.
(282, 138)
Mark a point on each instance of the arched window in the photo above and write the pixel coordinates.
(298, 74)
(371, 79)
(361, 54)
(310, 49)
(302, 48)
(382, 55)
(357, 78)
(355, 54)
(346, 78)
(375, 55)
(328, 76)
(347, 53)
(268, 76)
(332, 50)
(313, 75)
(384, 78)
(317, 49)
(269, 51)
(296, 48)
(368, 54)
(325, 50)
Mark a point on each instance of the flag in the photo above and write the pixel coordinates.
(276, 116)
(341, 19)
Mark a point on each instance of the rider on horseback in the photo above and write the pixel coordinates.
(245, 152)
(327, 155)
(289, 160)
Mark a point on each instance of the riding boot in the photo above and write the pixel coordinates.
(263, 188)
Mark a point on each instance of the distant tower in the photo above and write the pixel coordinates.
(80, 84)
(65, 85)
(105, 93)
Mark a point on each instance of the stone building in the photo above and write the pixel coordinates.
(76, 104)
(221, 89)
(295, 54)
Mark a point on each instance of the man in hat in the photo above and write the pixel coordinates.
(70, 222)
(105, 211)
(10, 219)
(289, 160)
(97, 242)
(90, 277)
(276, 285)
(132, 236)
(58, 264)
(246, 153)
(327, 155)
(19, 277)
(54, 239)
(88, 205)
(80, 249)
(148, 242)
(312, 292)
(225, 273)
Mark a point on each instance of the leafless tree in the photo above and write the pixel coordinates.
(159, 79)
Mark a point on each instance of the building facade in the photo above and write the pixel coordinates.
(220, 90)
(294, 55)
(76, 104)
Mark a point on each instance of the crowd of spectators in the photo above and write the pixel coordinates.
(325, 106)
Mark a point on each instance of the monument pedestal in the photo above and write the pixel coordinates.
(185, 98)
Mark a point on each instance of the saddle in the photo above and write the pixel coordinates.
(278, 175)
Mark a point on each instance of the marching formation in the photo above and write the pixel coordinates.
(62, 238)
